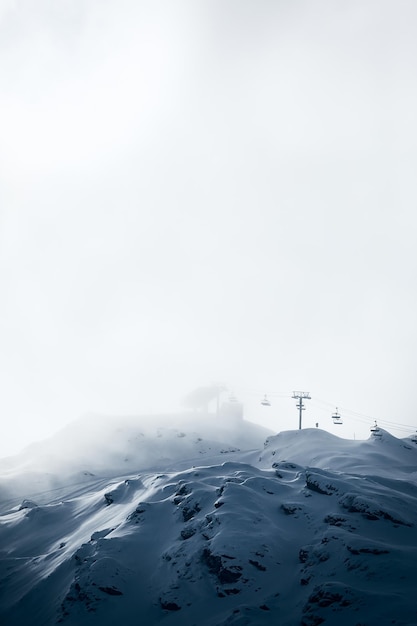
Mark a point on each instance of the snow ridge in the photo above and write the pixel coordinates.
(306, 529)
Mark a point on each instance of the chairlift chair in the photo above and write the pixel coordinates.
(336, 417)
(375, 431)
(265, 401)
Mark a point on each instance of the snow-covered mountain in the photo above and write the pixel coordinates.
(209, 522)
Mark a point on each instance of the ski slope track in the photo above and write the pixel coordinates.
(209, 524)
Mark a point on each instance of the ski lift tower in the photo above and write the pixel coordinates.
(300, 396)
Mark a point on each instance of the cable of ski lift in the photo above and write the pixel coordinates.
(364, 418)
(354, 416)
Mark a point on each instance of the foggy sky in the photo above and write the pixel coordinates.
(205, 191)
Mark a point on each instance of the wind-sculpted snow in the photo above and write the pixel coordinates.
(242, 538)
(97, 447)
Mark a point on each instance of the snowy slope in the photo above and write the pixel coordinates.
(107, 447)
(302, 528)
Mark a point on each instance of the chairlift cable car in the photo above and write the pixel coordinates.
(265, 401)
(375, 430)
(337, 418)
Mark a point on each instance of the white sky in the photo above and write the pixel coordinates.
(207, 191)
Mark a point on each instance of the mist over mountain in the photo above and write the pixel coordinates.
(208, 520)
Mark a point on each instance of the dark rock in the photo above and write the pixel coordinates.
(215, 565)
(313, 485)
(182, 490)
(226, 556)
(169, 606)
(109, 498)
(111, 591)
(187, 533)
(334, 520)
(289, 509)
(28, 504)
(302, 555)
(136, 515)
(188, 512)
(367, 550)
(258, 565)
(324, 598)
